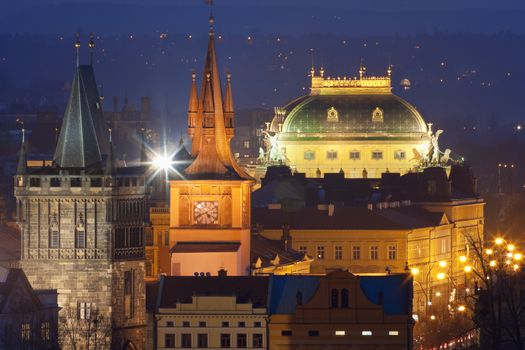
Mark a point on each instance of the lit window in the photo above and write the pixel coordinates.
(309, 155)
(84, 311)
(338, 253)
(393, 333)
(377, 155)
(392, 252)
(355, 155)
(45, 332)
(366, 333)
(400, 155)
(340, 333)
(25, 332)
(246, 144)
(356, 252)
(331, 155)
(320, 252)
(374, 252)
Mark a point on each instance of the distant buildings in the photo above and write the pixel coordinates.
(28, 317)
(336, 310)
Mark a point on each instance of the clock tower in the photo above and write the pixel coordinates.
(210, 202)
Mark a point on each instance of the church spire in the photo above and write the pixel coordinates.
(213, 157)
(110, 160)
(228, 101)
(83, 136)
(21, 167)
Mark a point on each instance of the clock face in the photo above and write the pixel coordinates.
(206, 213)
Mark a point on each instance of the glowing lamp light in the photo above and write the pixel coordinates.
(508, 262)
(492, 263)
(510, 255)
(432, 317)
(463, 258)
(440, 276)
(468, 268)
(438, 294)
(518, 256)
(489, 251)
(442, 263)
(162, 162)
(414, 271)
(510, 247)
(515, 267)
(461, 308)
(499, 241)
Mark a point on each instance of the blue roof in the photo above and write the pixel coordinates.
(396, 291)
(283, 292)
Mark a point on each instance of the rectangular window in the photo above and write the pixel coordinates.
(225, 340)
(374, 252)
(309, 155)
(25, 332)
(377, 155)
(356, 252)
(366, 333)
(170, 324)
(338, 253)
(54, 239)
(185, 323)
(257, 324)
(202, 340)
(185, 340)
(320, 252)
(80, 239)
(34, 182)
(340, 333)
(355, 155)
(331, 155)
(128, 294)
(313, 333)
(202, 323)
(246, 144)
(257, 341)
(242, 340)
(392, 252)
(400, 155)
(393, 333)
(444, 246)
(303, 249)
(225, 324)
(84, 311)
(169, 340)
(242, 324)
(286, 333)
(166, 239)
(45, 331)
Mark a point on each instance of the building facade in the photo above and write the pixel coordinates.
(28, 317)
(82, 223)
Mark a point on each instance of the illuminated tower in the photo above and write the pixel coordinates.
(82, 225)
(210, 204)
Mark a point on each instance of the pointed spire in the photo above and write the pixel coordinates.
(91, 47)
(213, 157)
(143, 153)
(110, 160)
(83, 136)
(21, 167)
(77, 47)
(193, 104)
(228, 102)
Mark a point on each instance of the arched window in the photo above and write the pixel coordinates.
(344, 297)
(334, 298)
(299, 298)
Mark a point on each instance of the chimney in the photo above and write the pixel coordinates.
(222, 273)
(331, 209)
(286, 238)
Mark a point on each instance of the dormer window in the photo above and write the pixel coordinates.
(332, 115)
(377, 115)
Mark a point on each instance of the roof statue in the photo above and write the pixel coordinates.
(83, 139)
(210, 124)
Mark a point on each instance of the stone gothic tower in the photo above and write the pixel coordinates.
(210, 202)
(82, 223)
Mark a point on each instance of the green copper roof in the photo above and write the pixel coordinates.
(351, 114)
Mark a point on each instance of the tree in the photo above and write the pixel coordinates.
(92, 331)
